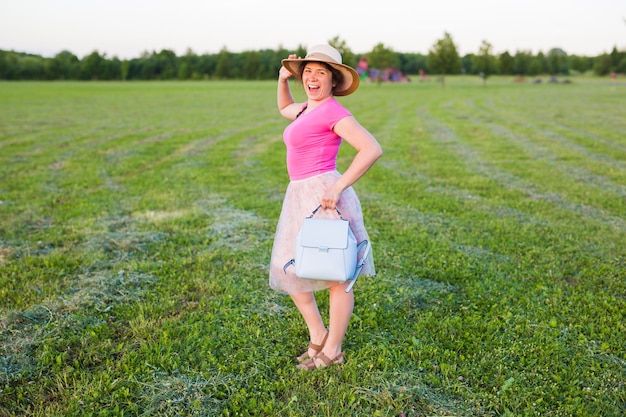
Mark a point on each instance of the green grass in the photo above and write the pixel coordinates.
(136, 223)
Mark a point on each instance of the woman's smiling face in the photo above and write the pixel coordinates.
(318, 81)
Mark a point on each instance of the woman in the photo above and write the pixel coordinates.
(312, 140)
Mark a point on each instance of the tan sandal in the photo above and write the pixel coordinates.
(317, 348)
(328, 362)
(309, 364)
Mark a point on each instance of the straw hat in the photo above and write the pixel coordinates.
(329, 55)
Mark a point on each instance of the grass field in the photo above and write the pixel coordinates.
(136, 222)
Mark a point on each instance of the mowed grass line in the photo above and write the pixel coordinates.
(136, 221)
(544, 244)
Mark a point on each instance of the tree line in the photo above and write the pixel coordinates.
(442, 59)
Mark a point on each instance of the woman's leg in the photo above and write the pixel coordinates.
(341, 306)
(306, 304)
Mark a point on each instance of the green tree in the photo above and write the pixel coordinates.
(383, 58)
(207, 65)
(251, 64)
(124, 70)
(615, 58)
(300, 51)
(224, 66)
(521, 62)
(602, 65)
(581, 64)
(112, 69)
(4, 65)
(187, 65)
(443, 58)
(542, 62)
(184, 72)
(412, 63)
(166, 67)
(557, 61)
(347, 56)
(30, 67)
(269, 61)
(467, 64)
(485, 62)
(506, 63)
(621, 67)
(534, 67)
(91, 67)
(538, 64)
(64, 66)
(137, 68)
(148, 64)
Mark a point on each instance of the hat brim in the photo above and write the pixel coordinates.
(350, 77)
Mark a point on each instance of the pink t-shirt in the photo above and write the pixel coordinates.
(312, 146)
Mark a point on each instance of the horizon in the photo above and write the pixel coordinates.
(43, 28)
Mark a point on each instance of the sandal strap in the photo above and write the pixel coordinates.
(327, 362)
(318, 348)
(307, 365)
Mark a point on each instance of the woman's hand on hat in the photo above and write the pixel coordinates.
(283, 73)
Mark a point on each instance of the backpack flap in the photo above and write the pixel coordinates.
(325, 233)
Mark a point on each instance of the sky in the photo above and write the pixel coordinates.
(127, 28)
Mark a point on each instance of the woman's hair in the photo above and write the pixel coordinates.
(337, 75)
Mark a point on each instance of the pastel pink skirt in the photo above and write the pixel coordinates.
(301, 198)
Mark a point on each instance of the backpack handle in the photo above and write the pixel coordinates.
(320, 206)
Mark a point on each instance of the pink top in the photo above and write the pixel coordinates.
(312, 146)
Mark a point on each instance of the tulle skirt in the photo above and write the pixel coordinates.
(301, 198)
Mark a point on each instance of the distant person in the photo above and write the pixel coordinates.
(362, 68)
(318, 127)
(376, 75)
